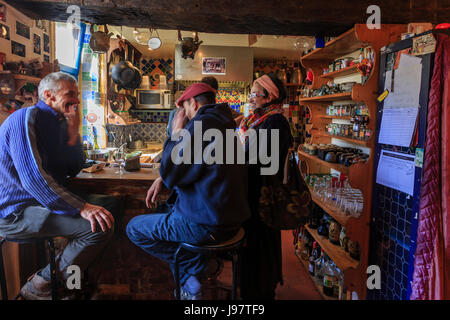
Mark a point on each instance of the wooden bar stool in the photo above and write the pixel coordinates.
(232, 245)
(39, 241)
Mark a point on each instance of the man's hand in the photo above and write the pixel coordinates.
(73, 124)
(153, 193)
(94, 213)
(179, 120)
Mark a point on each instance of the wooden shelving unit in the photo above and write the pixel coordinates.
(338, 215)
(351, 140)
(360, 174)
(27, 78)
(340, 73)
(329, 98)
(335, 166)
(316, 282)
(340, 257)
(336, 117)
(22, 80)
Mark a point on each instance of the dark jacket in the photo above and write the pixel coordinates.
(261, 265)
(214, 195)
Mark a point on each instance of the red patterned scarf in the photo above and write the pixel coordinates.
(258, 117)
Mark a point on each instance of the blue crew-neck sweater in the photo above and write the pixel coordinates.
(35, 162)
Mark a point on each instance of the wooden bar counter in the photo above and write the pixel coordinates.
(130, 186)
(106, 181)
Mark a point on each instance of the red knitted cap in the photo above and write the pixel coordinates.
(194, 90)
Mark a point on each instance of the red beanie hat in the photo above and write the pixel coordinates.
(194, 90)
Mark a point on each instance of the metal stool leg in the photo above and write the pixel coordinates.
(177, 276)
(2, 273)
(233, 285)
(51, 248)
(41, 254)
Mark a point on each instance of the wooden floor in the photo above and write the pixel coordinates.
(130, 273)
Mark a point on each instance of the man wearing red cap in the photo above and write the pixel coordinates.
(212, 198)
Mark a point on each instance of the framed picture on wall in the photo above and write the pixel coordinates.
(46, 43)
(2, 12)
(18, 49)
(36, 44)
(4, 32)
(44, 25)
(46, 58)
(214, 66)
(22, 30)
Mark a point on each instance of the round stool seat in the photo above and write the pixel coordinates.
(230, 244)
(28, 240)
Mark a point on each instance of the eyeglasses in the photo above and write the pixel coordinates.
(254, 95)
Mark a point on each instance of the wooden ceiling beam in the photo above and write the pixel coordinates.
(289, 17)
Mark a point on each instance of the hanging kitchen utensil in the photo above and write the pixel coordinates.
(154, 42)
(126, 76)
(99, 41)
(297, 76)
(189, 45)
(281, 74)
(141, 37)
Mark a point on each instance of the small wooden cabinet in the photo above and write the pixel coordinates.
(360, 175)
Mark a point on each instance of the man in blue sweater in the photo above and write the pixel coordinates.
(39, 149)
(212, 198)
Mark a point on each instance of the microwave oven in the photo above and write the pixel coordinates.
(153, 99)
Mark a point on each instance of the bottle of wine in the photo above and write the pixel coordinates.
(312, 260)
(315, 254)
(328, 279)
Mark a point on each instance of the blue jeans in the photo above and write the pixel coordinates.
(160, 235)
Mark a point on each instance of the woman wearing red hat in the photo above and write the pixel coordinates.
(261, 258)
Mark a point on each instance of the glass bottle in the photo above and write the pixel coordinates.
(319, 265)
(339, 284)
(312, 259)
(328, 279)
(305, 246)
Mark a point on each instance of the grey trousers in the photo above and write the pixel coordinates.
(83, 246)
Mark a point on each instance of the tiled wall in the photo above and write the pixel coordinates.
(152, 67)
(147, 132)
(152, 115)
(233, 96)
(91, 94)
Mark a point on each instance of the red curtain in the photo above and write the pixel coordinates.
(431, 278)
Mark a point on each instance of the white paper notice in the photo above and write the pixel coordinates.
(397, 126)
(396, 171)
(407, 80)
